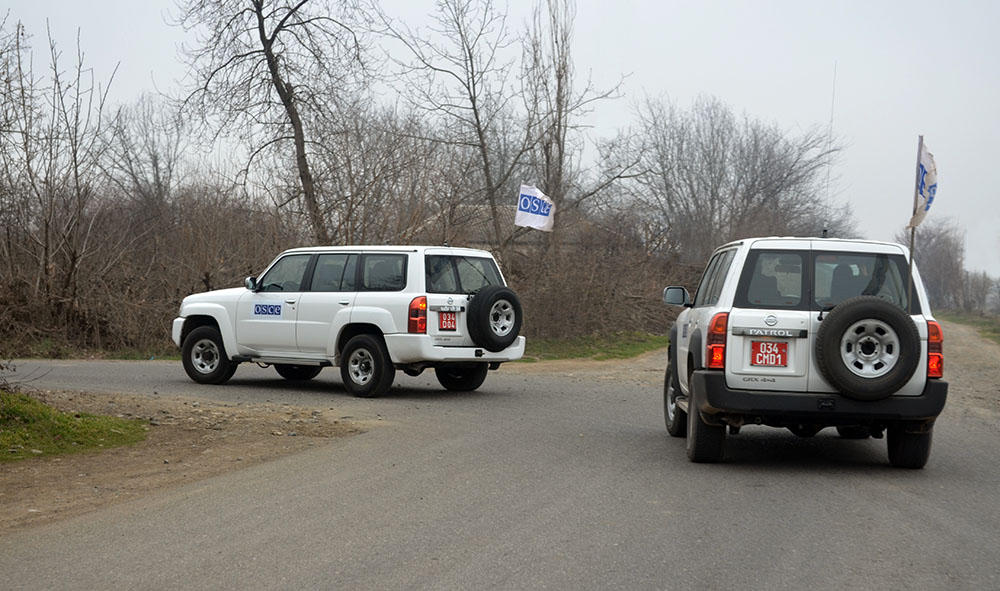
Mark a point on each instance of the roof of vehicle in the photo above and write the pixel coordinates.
(391, 248)
(818, 243)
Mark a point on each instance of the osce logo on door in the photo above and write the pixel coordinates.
(267, 309)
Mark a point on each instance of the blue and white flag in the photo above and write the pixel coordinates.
(534, 209)
(926, 186)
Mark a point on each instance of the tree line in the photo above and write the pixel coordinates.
(321, 122)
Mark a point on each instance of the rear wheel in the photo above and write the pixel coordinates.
(673, 416)
(705, 443)
(908, 450)
(462, 377)
(365, 367)
(297, 373)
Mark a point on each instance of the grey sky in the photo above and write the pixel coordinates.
(903, 68)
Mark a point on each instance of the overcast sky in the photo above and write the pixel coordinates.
(902, 69)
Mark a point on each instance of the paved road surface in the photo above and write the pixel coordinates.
(562, 480)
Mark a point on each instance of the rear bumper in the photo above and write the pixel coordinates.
(815, 407)
(415, 348)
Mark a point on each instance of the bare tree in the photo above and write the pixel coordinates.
(939, 252)
(460, 72)
(255, 68)
(710, 177)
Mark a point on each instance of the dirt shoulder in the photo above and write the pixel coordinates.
(188, 440)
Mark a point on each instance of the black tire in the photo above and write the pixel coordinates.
(853, 432)
(462, 377)
(297, 373)
(705, 443)
(494, 318)
(908, 450)
(204, 356)
(867, 348)
(365, 367)
(673, 416)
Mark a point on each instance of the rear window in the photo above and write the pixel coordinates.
(803, 280)
(460, 274)
(772, 279)
(839, 276)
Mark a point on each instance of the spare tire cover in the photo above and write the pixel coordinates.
(494, 318)
(867, 348)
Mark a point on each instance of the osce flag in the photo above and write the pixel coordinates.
(926, 186)
(534, 209)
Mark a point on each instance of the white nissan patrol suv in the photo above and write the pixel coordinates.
(805, 333)
(369, 309)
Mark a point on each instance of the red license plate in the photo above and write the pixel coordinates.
(769, 353)
(447, 321)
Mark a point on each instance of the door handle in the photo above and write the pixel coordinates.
(290, 301)
(345, 302)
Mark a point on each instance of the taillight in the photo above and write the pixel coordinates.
(935, 350)
(417, 318)
(715, 342)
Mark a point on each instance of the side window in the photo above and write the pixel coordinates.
(383, 272)
(286, 274)
(721, 271)
(703, 288)
(772, 279)
(330, 272)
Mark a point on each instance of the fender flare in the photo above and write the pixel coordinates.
(218, 313)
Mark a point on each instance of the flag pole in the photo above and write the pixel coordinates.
(913, 229)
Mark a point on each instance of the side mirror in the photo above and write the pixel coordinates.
(250, 283)
(676, 295)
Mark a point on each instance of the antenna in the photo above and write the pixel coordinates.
(829, 134)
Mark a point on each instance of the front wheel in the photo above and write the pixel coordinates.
(297, 373)
(462, 377)
(204, 356)
(908, 450)
(365, 367)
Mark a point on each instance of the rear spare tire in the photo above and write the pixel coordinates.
(867, 348)
(494, 318)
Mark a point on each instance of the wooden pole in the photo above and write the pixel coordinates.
(913, 230)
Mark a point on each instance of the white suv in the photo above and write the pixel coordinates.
(369, 309)
(805, 333)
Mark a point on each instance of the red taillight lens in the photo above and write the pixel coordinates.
(715, 342)
(935, 350)
(417, 318)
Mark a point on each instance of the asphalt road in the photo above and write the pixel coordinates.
(562, 480)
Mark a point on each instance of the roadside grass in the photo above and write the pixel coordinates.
(29, 428)
(53, 349)
(621, 345)
(988, 325)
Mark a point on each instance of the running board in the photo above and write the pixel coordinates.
(282, 361)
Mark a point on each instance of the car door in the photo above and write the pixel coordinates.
(325, 308)
(699, 315)
(770, 337)
(450, 279)
(265, 318)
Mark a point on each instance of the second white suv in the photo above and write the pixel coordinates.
(806, 333)
(369, 309)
